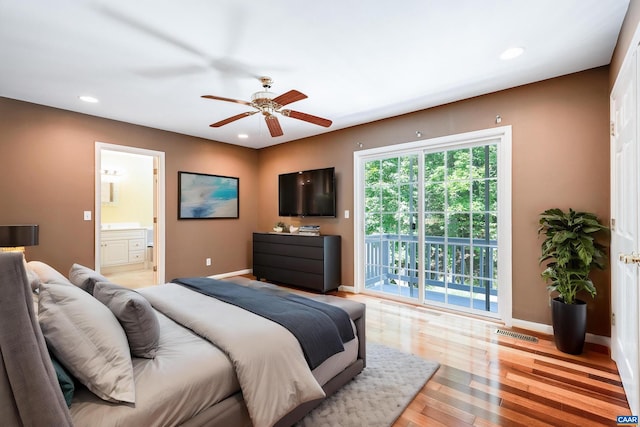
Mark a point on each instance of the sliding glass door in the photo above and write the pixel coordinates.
(431, 219)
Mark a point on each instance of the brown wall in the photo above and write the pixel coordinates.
(47, 177)
(560, 159)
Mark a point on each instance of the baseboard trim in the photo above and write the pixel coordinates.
(231, 274)
(548, 329)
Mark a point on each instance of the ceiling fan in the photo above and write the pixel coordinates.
(268, 104)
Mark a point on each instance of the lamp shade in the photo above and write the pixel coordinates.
(18, 235)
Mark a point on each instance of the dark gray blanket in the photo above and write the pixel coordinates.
(320, 328)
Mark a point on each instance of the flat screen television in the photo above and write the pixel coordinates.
(307, 193)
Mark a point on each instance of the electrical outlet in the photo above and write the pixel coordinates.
(207, 262)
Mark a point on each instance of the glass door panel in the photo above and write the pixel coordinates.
(460, 215)
(391, 210)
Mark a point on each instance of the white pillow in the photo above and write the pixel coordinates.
(87, 339)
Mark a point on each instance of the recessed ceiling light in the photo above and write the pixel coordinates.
(87, 98)
(512, 52)
(243, 136)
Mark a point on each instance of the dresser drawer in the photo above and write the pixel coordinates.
(315, 266)
(292, 250)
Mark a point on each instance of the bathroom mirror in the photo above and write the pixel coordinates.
(109, 194)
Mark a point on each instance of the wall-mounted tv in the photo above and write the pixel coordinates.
(307, 193)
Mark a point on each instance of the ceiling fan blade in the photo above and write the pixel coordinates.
(307, 118)
(232, 119)
(274, 125)
(289, 97)
(220, 98)
(177, 71)
(153, 32)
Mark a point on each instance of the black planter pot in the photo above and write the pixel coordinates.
(569, 325)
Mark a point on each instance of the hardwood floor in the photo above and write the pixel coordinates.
(486, 379)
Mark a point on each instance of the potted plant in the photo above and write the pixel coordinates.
(570, 251)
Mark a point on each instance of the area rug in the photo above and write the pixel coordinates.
(378, 395)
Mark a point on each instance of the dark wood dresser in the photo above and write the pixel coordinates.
(311, 262)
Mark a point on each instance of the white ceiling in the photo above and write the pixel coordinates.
(149, 62)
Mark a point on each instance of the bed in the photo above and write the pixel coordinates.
(257, 372)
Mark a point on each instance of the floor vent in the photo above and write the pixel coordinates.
(516, 335)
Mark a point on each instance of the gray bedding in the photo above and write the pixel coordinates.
(190, 382)
(188, 379)
(190, 375)
(187, 376)
(320, 328)
(268, 361)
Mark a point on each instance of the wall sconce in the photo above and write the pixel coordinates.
(13, 238)
(110, 175)
(418, 134)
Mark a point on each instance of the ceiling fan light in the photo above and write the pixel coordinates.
(263, 94)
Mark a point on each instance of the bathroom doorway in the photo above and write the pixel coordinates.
(129, 216)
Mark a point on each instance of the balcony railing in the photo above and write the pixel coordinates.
(463, 269)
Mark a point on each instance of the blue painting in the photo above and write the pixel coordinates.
(207, 196)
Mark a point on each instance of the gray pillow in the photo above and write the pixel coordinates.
(45, 273)
(87, 339)
(135, 314)
(85, 278)
(33, 278)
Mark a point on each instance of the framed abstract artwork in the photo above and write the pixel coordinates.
(202, 196)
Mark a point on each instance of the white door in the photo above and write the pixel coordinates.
(157, 246)
(624, 229)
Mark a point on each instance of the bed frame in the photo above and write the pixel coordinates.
(29, 390)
